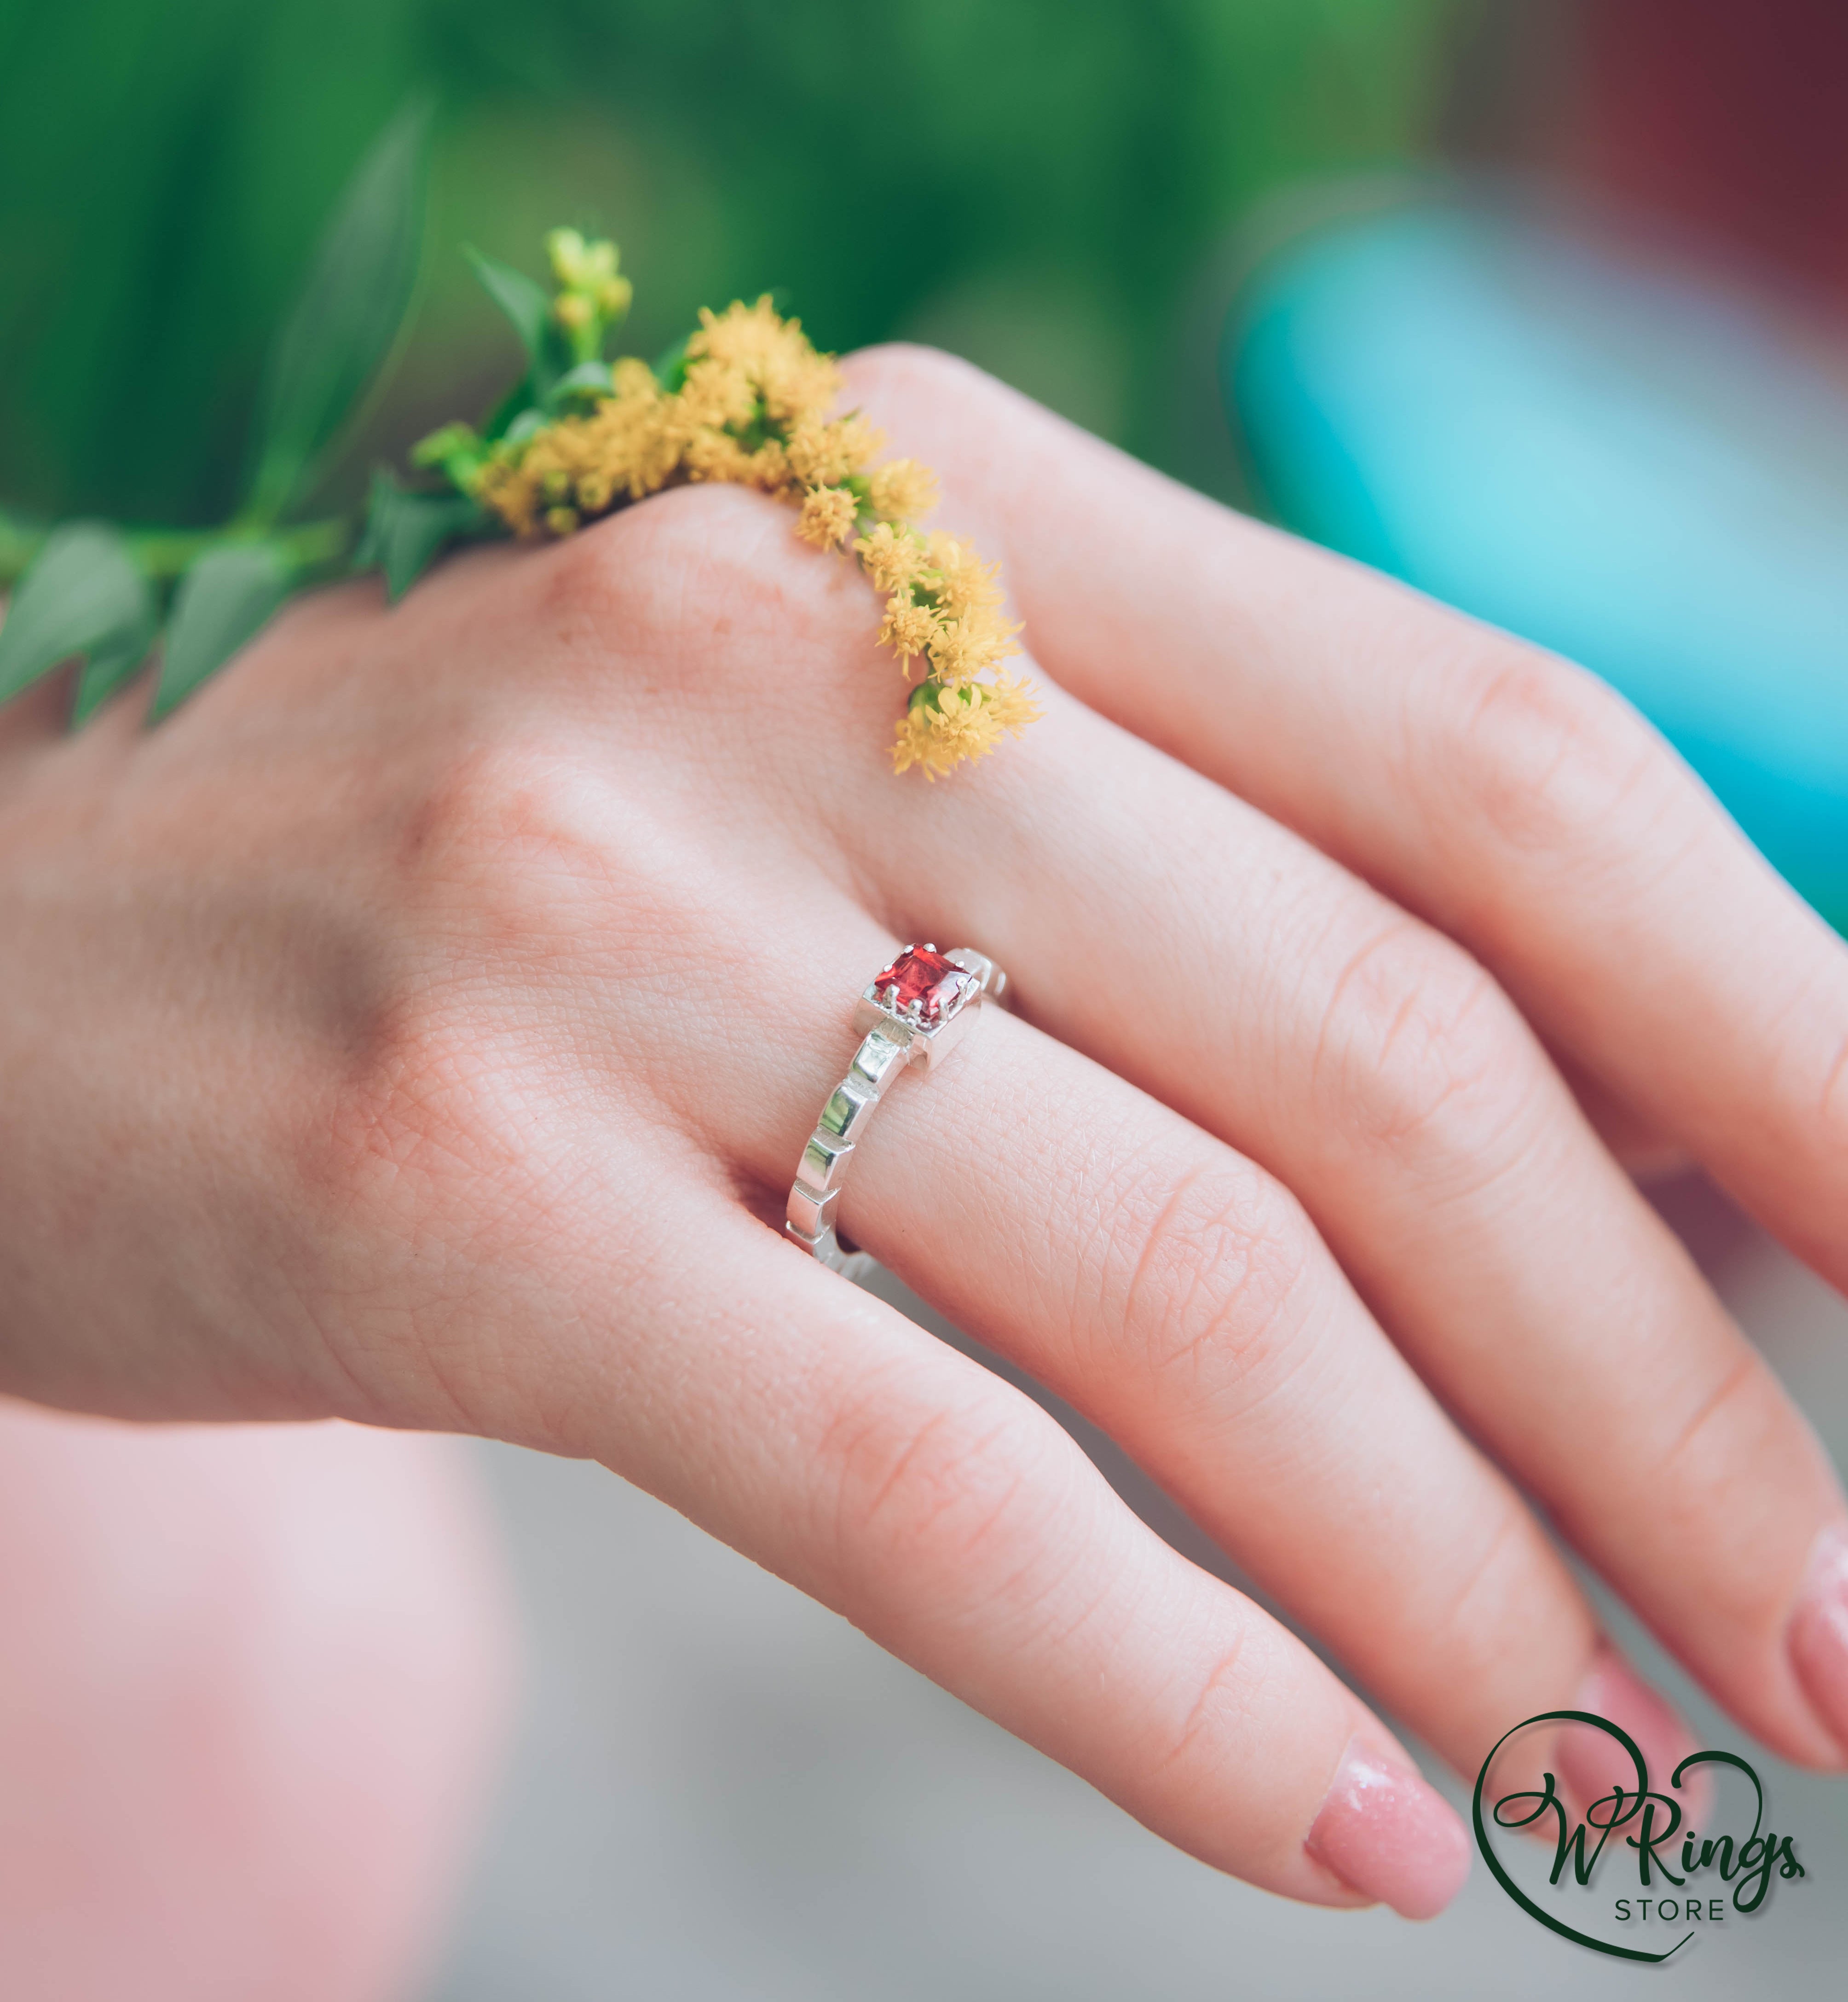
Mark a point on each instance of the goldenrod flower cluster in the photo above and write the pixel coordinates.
(748, 403)
(943, 603)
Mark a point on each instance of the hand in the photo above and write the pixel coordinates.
(423, 1025)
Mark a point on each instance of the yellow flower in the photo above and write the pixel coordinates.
(902, 490)
(965, 649)
(827, 517)
(752, 409)
(941, 728)
(718, 394)
(968, 585)
(911, 743)
(824, 455)
(768, 467)
(894, 560)
(639, 439)
(908, 629)
(712, 455)
(753, 333)
(1011, 703)
(800, 389)
(796, 384)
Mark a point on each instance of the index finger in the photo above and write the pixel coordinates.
(1502, 794)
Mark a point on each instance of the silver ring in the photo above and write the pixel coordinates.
(916, 1011)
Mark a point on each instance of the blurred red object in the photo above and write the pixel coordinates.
(1727, 117)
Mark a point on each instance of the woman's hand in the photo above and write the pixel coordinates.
(422, 1026)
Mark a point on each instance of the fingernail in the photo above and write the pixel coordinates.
(1818, 1636)
(1386, 1834)
(1591, 1764)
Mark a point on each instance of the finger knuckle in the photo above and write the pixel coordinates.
(962, 419)
(491, 833)
(493, 851)
(1548, 759)
(1421, 1054)
(1834, 1097)
(414, 1111)
(1736, 1417)
(1733, 1414)
(1222, 1708)
(1483, 1591)
(1215, 1270)
(907, 370)
(687, 580)
(413, 1159)
(591, 583)
(1486, 1591)
(945, 1492)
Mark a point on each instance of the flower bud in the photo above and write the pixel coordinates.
(566, 249)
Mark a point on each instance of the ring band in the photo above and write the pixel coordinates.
(916, 1011)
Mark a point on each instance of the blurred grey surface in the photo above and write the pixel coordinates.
(723, 1793)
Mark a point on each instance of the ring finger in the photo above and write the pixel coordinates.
(1177, 1295)
(1250, 983)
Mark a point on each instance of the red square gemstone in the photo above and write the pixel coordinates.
(921, 974)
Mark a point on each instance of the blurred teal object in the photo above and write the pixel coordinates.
(1615, 457)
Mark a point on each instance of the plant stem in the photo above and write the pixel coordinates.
(162, 554)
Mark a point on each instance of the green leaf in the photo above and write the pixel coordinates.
(518, 400)
(350, 314)
(530, 310)
(108, 669)
(524, 302)
(669, 365)
(407, 531)
(528, 424)
(456, 451)
(224, 600)
(82, 595)
(587, 382)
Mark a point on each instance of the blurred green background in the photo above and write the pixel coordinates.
(1045, 187)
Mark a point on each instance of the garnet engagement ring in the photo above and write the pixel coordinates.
(916, 1011)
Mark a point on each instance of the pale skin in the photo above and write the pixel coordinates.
(422, 1027)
